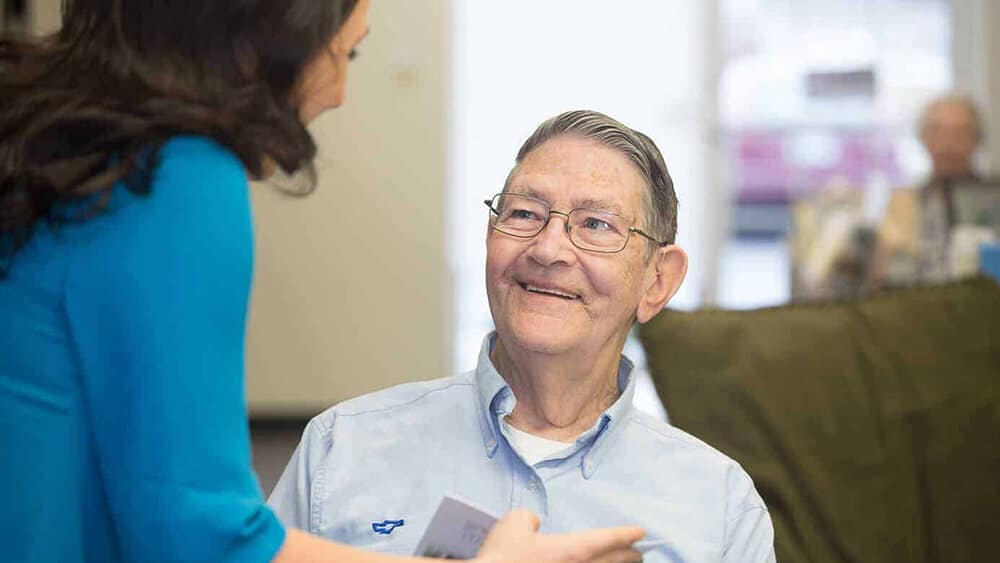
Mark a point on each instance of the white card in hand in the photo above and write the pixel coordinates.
(456, 531)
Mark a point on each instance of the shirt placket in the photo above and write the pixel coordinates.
(530, 492)
(527, 487)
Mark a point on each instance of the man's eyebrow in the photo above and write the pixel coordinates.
(603, 204)
(528, 191)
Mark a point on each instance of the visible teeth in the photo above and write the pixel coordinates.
(549, 291)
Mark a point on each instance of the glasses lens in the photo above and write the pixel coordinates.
(519, 215)
(594, 229)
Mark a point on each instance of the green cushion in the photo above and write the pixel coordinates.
(871, 428)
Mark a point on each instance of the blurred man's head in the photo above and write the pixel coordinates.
(604, 256)
(950, 130)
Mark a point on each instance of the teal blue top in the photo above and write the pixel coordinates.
(123, 426)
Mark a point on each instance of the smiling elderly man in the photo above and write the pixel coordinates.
(579, 247)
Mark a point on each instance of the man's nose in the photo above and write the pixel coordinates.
(552, 244)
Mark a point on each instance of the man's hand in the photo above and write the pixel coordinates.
(516, 538)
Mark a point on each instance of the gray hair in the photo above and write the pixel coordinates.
(659, 197)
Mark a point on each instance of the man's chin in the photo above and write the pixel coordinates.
(542, 336)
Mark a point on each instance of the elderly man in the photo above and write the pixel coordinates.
(951, 131)
(916, 240)
(579, 247)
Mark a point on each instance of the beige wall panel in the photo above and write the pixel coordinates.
(44, 16)
(351, 282)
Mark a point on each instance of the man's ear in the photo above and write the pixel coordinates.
(664, 273)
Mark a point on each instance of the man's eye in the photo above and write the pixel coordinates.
(596, 224)
(522, 214)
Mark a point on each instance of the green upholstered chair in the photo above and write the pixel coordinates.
(871, 428)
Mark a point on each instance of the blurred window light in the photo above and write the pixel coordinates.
(819, 95)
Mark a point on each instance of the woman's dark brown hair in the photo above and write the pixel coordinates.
(90, 107)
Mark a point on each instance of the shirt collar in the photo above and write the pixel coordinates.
(491, 391)
(496, 400)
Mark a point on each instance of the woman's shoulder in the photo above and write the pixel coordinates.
(191, 177)
(194, 218)
(199, 147)
(198, 193)
(204, 159)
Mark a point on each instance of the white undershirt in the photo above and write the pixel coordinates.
(534, 448)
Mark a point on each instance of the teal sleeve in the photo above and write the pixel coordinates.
(157, 306)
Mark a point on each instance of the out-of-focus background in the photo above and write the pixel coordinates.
(765, 111)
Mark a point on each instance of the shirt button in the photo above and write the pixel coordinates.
(532, 484)
(491, 444)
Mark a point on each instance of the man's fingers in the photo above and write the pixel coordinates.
(518, 521)
(605, 541)
(620, 556)
(514, 538)
(618, 537)
(522, 517)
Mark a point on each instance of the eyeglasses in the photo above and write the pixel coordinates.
(596, 230)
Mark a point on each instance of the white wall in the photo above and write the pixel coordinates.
(992, 32)
(976, 62)
(351, 282)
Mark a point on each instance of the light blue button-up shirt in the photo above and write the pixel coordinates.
(393, 454)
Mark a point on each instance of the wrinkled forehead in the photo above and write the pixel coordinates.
(572, 172)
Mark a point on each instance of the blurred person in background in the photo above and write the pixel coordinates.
(917, 240)
(126, 142)
(579, 247)
(950, 129)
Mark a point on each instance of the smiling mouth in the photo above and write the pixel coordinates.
(549, 291)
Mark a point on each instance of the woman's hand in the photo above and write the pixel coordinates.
(516, 538)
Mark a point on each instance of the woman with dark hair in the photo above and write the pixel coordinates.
(125, 264)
